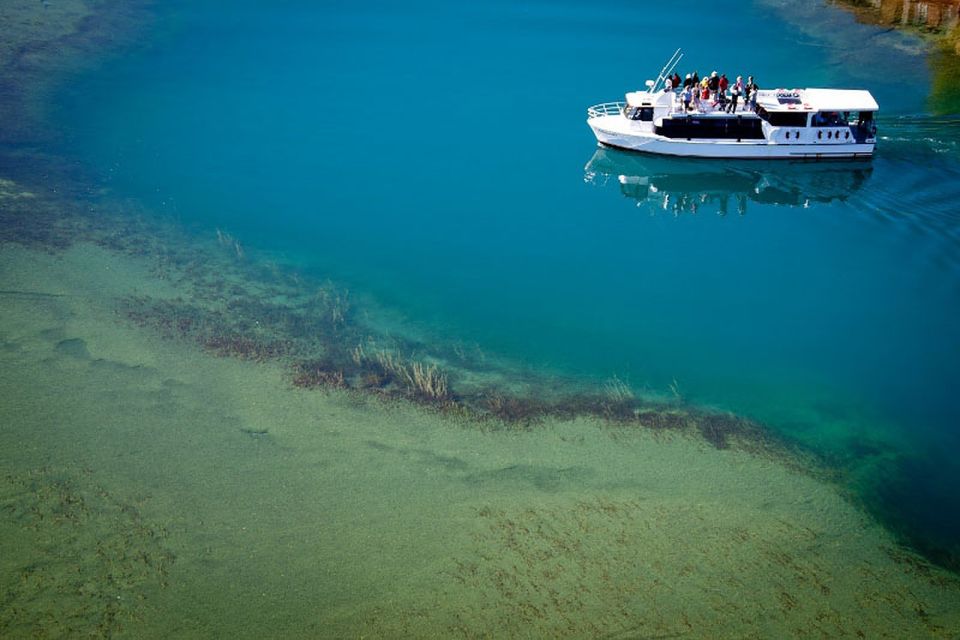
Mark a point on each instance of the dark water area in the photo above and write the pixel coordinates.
(436, 159)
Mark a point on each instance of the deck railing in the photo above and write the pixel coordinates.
(605, 109)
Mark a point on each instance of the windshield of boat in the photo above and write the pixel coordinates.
(783, 118)
(831, 119)
(644, 114)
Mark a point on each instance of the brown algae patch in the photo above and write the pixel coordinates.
(232, 305)
(621, 567)
(78, 560)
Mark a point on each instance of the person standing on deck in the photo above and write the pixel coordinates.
(714, 85)
(735, 94)
(687, 82)
(723, 84)
(675, 80)
(696, 78)
(750, 94)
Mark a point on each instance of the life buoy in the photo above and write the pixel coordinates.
(791, 106)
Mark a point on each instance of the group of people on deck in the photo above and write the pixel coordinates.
(713, 92)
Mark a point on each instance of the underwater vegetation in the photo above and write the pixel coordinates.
(313, 342)
(543, 549)
(234, 305)
(33, 222)
(235, 302)
(60, 515)
(320, 340)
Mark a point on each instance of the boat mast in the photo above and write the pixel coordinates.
(666, 71)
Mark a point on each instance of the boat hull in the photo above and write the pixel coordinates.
(613, 136)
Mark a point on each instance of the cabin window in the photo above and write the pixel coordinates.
(830, 119)
(728, 128)
(785, 119)
(644, 114)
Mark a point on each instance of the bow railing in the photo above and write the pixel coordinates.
(605, 109)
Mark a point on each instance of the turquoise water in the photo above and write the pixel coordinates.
(436, 158)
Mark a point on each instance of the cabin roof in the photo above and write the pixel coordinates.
(642, 98)
(816, 100)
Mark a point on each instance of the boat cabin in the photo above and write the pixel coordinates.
(818, 116)
(640, 105)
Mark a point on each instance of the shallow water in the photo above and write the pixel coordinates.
(434, 160)
(151, 490)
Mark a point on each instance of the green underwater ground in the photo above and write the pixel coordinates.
(154, 490)
(197, 442)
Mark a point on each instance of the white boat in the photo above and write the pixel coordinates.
(780, 123)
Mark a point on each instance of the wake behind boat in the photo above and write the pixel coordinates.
(795, 123)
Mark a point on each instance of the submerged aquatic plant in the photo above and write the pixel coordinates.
(723, 429)
(335, 303)
(229, 242)
(259, 312)
(660, 419)
(675, 389)
(430, 381)
(246, 348)
(425, 380)
(617, 390)
(318, 373)
(511, 409)
(358, 355)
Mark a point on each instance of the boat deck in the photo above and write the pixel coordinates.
(709, 108)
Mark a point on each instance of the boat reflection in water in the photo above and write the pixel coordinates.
(679, 185)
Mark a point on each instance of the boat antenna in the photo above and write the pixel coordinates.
(667, 70)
